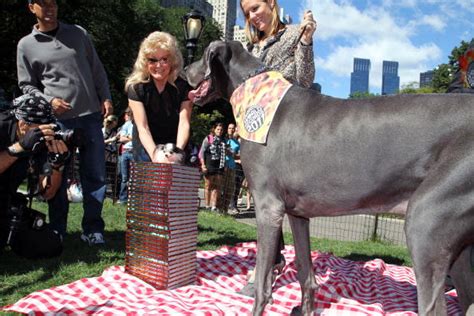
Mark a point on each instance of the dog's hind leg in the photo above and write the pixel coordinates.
(304, 264)
(440, 223)
(431, 258)
(462, 274)
(269, 212)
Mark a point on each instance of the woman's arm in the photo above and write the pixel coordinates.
(141, 121)
(184, 126)
(304, 56)
(304, 63)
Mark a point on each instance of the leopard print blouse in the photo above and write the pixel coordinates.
(297, 68)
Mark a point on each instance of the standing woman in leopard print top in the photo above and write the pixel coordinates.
(274, 42)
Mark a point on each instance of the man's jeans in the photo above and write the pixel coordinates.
(125, 159)
(92, 177)
(140, 154)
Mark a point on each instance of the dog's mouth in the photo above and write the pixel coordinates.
(201, 91)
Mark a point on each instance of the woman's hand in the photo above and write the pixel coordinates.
(309, 25)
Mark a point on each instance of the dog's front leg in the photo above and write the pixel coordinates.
(304, 264)
(269, 216)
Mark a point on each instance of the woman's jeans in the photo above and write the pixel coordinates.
(125, 159)
(92, 177)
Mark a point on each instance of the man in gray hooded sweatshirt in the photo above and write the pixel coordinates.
(59, 61)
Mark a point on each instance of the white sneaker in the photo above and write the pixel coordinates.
(233, 211)
(93, 239)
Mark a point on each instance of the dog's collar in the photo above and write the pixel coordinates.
(256, 72)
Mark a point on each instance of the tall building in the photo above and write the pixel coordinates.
(390, 78)
(202, 5)
(225, 13)
(285, 18)
(426, 78)
(239, 35)
(360, 76)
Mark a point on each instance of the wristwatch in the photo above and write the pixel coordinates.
(13, 151)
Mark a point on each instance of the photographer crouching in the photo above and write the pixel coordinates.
(29, 149)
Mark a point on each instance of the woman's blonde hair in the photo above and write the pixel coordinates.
(254, 35)
(149, 45)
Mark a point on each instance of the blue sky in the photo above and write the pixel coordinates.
(418, 34)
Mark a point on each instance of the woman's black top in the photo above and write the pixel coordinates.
(162, 109)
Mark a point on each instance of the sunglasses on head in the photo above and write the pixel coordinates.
(161, 61)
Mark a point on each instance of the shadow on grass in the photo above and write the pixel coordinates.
(212, 238)
(75, 252)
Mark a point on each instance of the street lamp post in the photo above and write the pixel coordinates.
(193, 23)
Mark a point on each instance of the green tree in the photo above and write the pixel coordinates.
(202, 123)
(412, 88)
(443, 73)
(456, 53)
(362, 95)
(442, 77)
(15, 22)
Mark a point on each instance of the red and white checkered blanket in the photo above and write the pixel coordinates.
(345, 288)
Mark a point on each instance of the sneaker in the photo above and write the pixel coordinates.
(214, 209)
(93, 239)
(233, 211)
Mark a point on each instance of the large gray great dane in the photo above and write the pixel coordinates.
(326, 156)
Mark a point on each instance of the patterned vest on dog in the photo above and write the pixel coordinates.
(255, 102)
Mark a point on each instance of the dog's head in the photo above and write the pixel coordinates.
(223, 67)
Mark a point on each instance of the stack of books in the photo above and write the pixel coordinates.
(161, 236)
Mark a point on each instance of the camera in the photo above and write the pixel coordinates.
(71, 137)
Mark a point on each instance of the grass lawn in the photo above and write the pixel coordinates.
(20, 277)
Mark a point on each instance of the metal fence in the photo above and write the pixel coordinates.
(380, 227)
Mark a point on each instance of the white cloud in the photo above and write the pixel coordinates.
(433, 21)
(375, 32)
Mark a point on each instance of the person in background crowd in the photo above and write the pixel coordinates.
(212, 157)
(59, 61)
(232, 154)
(239, 174)
(109, 130)
(125, 135)
(158, 97)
